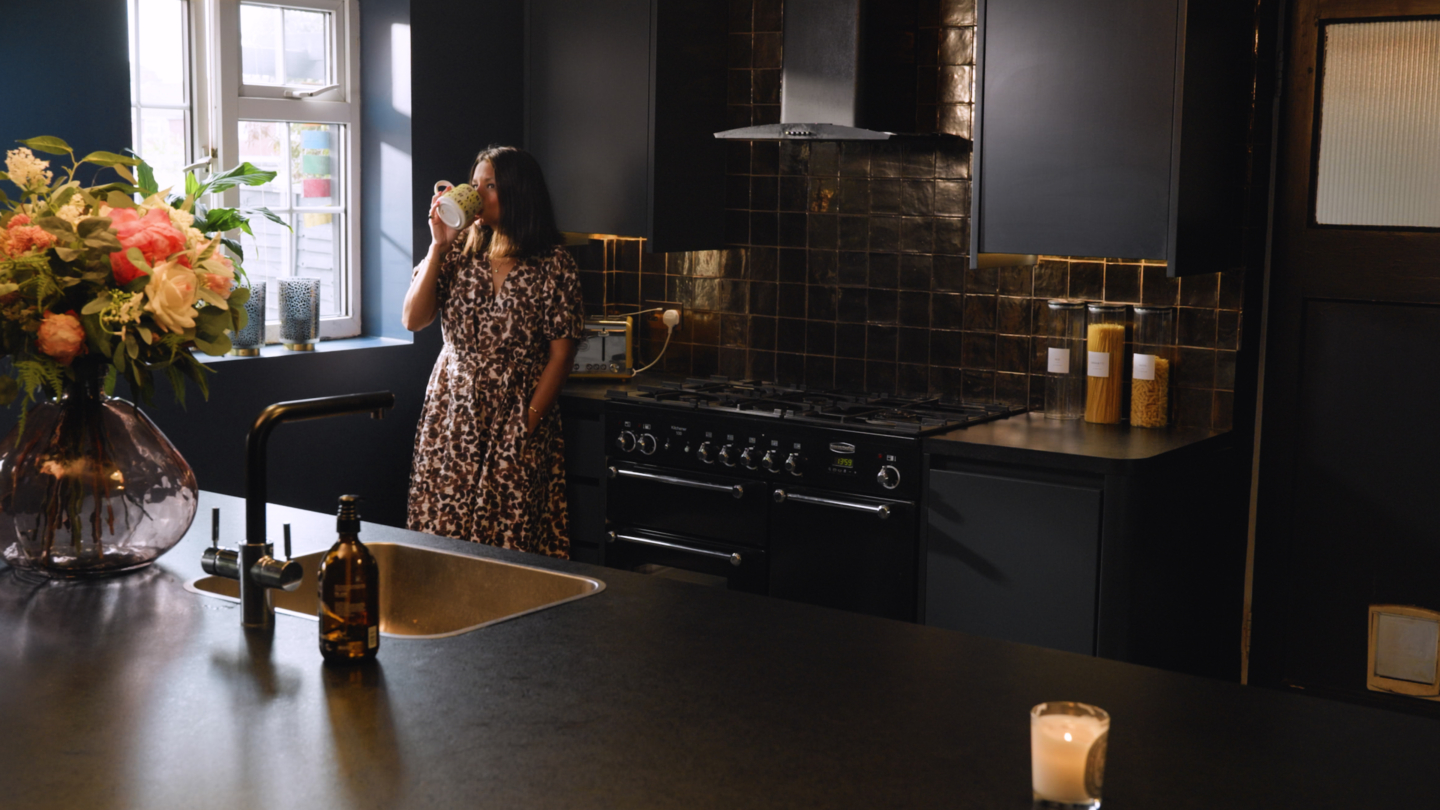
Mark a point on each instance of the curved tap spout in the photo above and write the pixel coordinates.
(255, 605)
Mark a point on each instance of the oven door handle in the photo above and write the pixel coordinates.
(881, 511)
(735, 490)
(733, 559)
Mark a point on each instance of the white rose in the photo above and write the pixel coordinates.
(170, 296)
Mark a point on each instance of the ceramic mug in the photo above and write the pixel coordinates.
(460, 204)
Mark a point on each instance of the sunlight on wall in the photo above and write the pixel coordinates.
(400, 68)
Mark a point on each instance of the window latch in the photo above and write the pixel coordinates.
(310, 91)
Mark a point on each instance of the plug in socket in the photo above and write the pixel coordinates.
(671, 318)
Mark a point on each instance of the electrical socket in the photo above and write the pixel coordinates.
(671, 318)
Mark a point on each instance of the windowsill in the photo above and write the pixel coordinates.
(321, 347)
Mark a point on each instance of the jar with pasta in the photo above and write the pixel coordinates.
(1152, 358)
(1104, 363)
(1065, 359)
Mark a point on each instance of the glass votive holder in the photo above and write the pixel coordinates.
(247, 342)
(299, 313)
(1067, 754)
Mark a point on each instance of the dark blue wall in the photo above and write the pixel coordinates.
(67, 74)
(450, 120)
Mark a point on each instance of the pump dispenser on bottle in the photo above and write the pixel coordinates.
(349, 593)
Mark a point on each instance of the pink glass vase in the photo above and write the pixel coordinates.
(92, 488)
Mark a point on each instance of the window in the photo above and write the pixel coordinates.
(274, 84)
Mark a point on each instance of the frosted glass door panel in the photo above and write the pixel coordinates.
(1380, 125)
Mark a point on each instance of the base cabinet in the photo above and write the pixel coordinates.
(1014, 558)
(584, 424)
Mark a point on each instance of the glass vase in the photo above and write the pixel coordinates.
(92, 487)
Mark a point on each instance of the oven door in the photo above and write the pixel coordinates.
(712, 507)
(743, 568)
(706, 523)
(845, 551)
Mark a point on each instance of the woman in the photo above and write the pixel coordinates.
(489, 457)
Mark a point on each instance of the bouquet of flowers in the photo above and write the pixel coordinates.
(88, 272)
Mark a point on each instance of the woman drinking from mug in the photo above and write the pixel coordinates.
(489, 463)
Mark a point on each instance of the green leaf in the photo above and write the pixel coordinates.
(132, 346)
(59, 200)
(110, 377)
(234, 247)
(9, 390)
(211, 322)
(177, 383)
(101, 301)
(4, 176)
(146, 335)
(56, 225)
(125, 173)
(192, 186)
(90, 225)
(103, 240)
(147, 178)
(116, 199)
(239, 317)
(109, 159)
(251, 213)
(138, 259)
(238, 297)
(67, 254)
(242, 175)
(48, 144)
(215, 348)
(220, 219)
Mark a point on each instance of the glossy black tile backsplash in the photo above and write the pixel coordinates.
(847, 263)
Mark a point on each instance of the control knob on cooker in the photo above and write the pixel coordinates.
(749, 458)
(626, 441)
(889, 477)
(728, 455)
(706, 453)
(792, 464)
(647, 444)
(771, 461)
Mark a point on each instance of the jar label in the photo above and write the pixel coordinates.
(1099, 364)
(1144, 366)
(373, 637)
(1059, 362)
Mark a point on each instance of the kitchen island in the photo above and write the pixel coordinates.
(135, 693)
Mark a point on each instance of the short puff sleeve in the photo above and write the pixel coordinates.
(565, 316)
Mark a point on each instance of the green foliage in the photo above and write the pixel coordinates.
(48, 144)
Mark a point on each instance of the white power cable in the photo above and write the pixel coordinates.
(668, 332)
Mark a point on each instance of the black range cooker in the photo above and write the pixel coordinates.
(800, 494)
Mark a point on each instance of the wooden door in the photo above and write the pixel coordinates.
(1349, 498)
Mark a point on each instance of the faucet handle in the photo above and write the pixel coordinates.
(215, 527)
(272, 573)
(287, 541)
(216, 561)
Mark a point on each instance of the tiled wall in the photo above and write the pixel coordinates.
(847, 263)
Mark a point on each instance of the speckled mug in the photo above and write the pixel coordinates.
(460, 204)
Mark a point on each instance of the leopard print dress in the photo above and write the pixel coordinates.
(476, 474)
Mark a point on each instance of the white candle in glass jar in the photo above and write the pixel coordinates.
(1059, 755)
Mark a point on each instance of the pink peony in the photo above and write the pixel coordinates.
(61, 336)
(154, 235)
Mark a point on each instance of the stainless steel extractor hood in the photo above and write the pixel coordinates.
(821, 81)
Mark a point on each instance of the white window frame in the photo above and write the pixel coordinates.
(189, 90)
(222, 101)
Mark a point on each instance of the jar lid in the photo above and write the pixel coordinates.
(1096, 306)
(1065, 303)
(1154, 310)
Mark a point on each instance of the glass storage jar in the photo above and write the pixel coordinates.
(1152, 358)
(1104, 348)
(1065, 360)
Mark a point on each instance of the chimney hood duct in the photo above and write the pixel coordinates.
(821, 82)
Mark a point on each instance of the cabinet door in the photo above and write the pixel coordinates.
(1013, 559)
(1074, 124)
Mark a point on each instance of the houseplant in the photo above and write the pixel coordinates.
(95, 287)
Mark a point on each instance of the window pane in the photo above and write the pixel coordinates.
(317, 255)
(161, 71)
(260, 46)
(284, 46)
(161, 142)
(266, 257)
(1379, 161)
(305, 51)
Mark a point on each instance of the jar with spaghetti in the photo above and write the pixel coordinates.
(1065, 360)
(1153, 357)
(1104, 364)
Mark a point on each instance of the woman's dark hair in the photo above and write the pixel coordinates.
(527, 219)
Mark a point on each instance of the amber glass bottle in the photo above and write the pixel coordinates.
(349, 593)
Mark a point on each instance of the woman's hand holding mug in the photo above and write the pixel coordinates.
(452, 209)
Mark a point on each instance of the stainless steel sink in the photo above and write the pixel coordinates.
(425, 593)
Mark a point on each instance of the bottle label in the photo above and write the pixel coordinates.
(1099, 364)
(373, 638)
(1059, 361)
(1144, 366)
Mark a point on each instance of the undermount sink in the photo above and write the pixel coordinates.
(425, 593)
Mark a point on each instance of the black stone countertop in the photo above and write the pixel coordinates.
(1071, 444)
(134, 693)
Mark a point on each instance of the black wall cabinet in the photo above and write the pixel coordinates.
(622, 100)
(1116, 128)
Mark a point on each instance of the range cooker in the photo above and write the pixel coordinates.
(807, 495)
